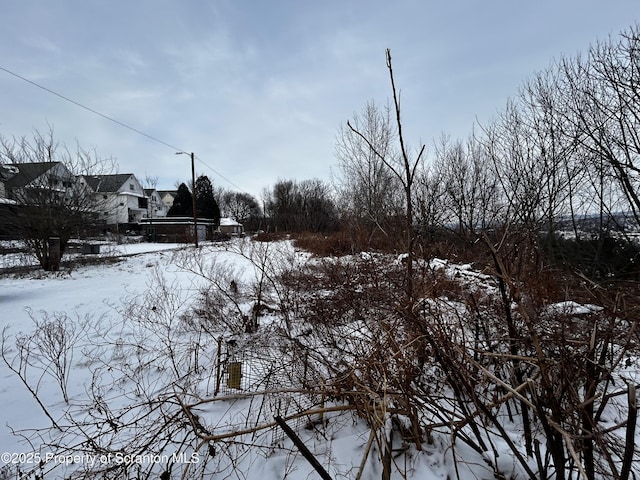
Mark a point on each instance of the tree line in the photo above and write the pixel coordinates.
(560, 160)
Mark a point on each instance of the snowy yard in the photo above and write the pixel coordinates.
(138, 354)
(93, 297)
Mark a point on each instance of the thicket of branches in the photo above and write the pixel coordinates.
(560, 161)
(561, 156)
(478, 369)
(505, 194)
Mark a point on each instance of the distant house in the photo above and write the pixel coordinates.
(25, 183)
(155, 206)
(40, 199)
(120, 198)
(230, 226)
(167, 197)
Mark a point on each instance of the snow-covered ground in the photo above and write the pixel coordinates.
(93, 293)
(106, 298)
(20, 258)
(90, 291)
(98, 294)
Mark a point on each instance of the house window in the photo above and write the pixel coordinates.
(131, 187)
(142, 203)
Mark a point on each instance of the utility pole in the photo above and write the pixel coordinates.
(193, 197)
(193, 200)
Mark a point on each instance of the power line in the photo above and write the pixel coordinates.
(220, 175)
(88, 108)
(111, 119)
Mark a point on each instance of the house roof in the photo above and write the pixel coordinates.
(228, 222)
(173, 193)
(107, 183)
(28, 172)
(131, 194)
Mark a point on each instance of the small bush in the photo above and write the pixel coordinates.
(270, 236)
(336, 244)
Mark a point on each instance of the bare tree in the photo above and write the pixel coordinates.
(240, 206)
(403, 168)
(366, 187)
(305, 206)
(601, 103)
(431, 202)
(51, 204)
(470, 186)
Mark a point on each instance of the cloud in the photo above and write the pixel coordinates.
(41, 43)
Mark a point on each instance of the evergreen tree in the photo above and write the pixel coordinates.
(206, 205)
(182, 204)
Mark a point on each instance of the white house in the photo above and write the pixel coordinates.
(120, 197)
(26, 182)
(156, 208)
(168, 196)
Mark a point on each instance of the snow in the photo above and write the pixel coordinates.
(99, 292)
(132, 194)
(572, 308)
(96, 291)
(96, 299)
(463, 272)
(107, 249)
(228, 222)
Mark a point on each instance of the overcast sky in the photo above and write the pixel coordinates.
(259, 88)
